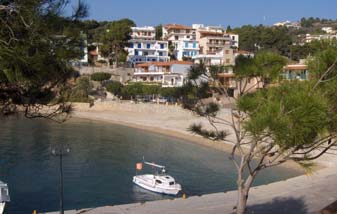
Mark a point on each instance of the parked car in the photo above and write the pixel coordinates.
(162, 99)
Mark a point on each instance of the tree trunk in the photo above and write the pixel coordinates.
(243, 190)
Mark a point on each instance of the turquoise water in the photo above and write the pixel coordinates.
(98, 171)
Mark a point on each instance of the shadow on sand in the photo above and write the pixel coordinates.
(279, 206)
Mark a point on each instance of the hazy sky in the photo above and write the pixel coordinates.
(211, 12)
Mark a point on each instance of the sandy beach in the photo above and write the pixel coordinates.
(170, 120)
(295, 195)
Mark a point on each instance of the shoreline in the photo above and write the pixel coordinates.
(189, 137)
(300, 190)
(100, 116)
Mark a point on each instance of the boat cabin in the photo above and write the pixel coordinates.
(4, 194)
(165, 180)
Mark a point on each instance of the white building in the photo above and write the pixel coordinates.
(288, 24)
(144, 48)
(168, 74)
(328, 30)
(225, 56)
(143, 33)
(182, 38)
(186, 49)
(214, 38)
(309, 37)
(175, 32)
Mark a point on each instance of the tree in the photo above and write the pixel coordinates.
(114, 87)
(293, 121)
(80, 91)
(115, 38)
(36, 47)
(159, 32)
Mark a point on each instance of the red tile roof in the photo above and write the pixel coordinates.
(176, 26)
(93, 53)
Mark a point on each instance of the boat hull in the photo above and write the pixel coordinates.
(2, 207)
(146, 183)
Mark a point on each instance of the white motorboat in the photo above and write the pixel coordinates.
(4, 196)
(159, 182)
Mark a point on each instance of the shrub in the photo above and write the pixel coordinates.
(114, 87)
(100, 76)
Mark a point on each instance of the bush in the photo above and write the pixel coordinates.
(114, 87)
(134, 89)
(80, 91)
(101, 76)
(169, 92)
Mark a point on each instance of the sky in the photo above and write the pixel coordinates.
(210, 12)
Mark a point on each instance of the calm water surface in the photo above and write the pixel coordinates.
(99, 169)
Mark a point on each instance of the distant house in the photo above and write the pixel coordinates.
(144, 48)
(94, 53)
(295, 72)
(182, 38)
(214, 38)
(224, 56)
(168, 74)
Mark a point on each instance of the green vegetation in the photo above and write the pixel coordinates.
(274, 124)
(159, 32)
(115, 38)
(36, 46)
(80, 91)
(282, 40)
(100, 76)
(114, 87)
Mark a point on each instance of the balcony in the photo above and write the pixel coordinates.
(215, 44)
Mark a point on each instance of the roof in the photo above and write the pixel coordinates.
(295, 67)
(176, 26)
(211, 32)
(226, 75)
(93, 53)
(164, 63)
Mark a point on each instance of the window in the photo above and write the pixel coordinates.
(228, 61)
(148, 46)
(139, 45)
(151, 78)
(176, 37)
(171, 183)
(186, 44)
(227, 52)
(131, 45)
(161, 46)
(158, 182)
(136, 53)
(160, 53)
(194, 45)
